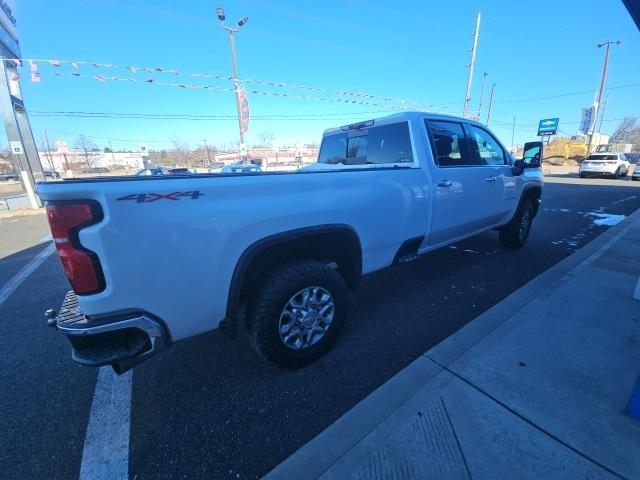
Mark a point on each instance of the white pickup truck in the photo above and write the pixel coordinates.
(153, 260)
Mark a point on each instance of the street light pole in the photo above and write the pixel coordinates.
(602, 83)
(234, 64)
(490, 104)
(484, 79)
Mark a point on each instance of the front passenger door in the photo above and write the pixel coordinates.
(489, 154)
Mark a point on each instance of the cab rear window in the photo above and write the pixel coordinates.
(384, 144)
(602, 157)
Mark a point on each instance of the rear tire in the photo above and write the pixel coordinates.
(583, 175)
(515, 233)
(287, 330)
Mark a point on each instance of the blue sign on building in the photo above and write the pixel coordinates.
(548, 126)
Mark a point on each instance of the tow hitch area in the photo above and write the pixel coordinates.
(122, 340)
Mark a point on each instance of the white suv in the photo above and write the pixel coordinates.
(614, 164)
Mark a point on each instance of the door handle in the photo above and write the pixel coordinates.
(445, 183)
(491, 179)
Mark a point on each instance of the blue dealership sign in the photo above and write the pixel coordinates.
(548, 126)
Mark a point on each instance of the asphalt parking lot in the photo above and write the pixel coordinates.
(208, 406)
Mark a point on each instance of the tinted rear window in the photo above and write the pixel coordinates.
(602, 157)
(382, 144)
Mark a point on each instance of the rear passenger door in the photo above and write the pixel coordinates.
(465, 197)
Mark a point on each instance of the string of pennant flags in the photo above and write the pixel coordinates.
(152, 74)
(352, 101)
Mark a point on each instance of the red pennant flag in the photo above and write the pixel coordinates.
(17, 61)
(54, 63)
(35, 77)
(33, 66)
(15, 77)
(99, 78)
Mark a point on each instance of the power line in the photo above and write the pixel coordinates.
(567, 94)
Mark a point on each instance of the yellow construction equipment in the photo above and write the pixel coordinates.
(581, 149)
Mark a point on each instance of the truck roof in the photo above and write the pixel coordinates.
(397, 117)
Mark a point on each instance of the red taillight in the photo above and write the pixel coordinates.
(81, 265)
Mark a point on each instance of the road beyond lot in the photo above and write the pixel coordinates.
(209, 407)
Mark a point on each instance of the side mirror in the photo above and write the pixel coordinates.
(532, 154)
(518, 167)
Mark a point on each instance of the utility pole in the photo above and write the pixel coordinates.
(604, 109)
(602, 83)
(113, 158)
(490, 104)
(513, 135)
(484, 79)
(467, 95)
(46, 139)
(234, 63)
(206, 147)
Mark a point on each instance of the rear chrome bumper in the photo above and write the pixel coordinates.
(121, 340)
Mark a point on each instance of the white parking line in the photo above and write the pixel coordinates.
(106, 446)
(22, 275)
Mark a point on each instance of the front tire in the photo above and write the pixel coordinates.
(583, 175)
(515, 233)
(297, 313)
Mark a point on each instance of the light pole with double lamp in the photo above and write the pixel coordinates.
(234, 63)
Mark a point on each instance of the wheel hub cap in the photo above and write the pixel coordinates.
(306, 318)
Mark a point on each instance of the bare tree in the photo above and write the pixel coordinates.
(266, 138)
(85, 144)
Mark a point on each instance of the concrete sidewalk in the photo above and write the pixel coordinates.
(536, 387)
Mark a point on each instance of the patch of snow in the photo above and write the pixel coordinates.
(606, 219)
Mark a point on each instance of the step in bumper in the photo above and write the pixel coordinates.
(121, 340)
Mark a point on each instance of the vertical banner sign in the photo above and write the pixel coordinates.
(244, 110)
(588, 120)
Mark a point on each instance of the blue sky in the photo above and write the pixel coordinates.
(416, 50)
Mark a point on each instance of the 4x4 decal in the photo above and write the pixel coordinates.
(152, 197)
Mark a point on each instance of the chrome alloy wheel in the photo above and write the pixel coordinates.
(306, 318)
(525, 225)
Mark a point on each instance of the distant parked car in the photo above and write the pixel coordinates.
(164, 171)
(9, 177)
(634, 159)
(50, 174)
(243, 168)
(95, 170)
(614, 164)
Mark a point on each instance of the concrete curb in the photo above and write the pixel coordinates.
(317, 456)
